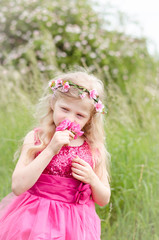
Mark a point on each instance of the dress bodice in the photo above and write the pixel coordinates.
(61, 163)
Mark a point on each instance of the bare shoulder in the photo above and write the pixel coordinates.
(29, 141)
(29, 138)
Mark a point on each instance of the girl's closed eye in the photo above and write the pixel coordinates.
(64, 109)
(80, 115)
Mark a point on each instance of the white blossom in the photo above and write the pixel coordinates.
(93, 55)
(57, 38)
(73, 28)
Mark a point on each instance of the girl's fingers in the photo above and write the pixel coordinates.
(65, 133)
(78, 166)
(78, 177)
(77, 171)
(79, 161)
(70, 133)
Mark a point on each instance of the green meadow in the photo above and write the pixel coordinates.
(39, 47)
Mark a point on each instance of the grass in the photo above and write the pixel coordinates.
(132, 139)
(13, 127)
(133, 210)
(134, 203)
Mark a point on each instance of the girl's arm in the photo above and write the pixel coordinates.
(82, 171)
(25, 175)
(100, 188)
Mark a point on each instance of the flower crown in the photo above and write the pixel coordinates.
(65, 85)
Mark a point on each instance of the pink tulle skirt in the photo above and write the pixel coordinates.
(55, 208)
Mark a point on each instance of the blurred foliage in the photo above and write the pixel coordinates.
(65, 33)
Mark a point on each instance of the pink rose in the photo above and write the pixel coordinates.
(58, 83)
(99, 106)
(71, 126)
(66, 87)
(76, 129)
(93, 94)
(63, 125)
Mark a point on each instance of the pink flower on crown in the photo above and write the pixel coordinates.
(58, 83)
(51, 83)
(93, 94)
(66, 87)
(83, 95)
(99, 106)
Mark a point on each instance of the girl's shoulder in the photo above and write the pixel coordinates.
(32, 137)
(29, 138)
(29, 141)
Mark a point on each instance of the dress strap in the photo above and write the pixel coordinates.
(36, 136)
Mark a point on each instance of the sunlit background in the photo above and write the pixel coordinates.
(39, 39)
(141, 19)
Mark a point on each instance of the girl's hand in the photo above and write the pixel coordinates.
(60, 139)
(82, 171)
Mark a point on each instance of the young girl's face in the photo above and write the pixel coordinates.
(75, 110)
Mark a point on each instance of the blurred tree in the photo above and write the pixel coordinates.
(65, 33)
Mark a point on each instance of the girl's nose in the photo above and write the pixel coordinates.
(72, 118)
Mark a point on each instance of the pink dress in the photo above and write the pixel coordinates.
(56, 207)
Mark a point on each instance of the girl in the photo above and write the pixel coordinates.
(61, 173)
